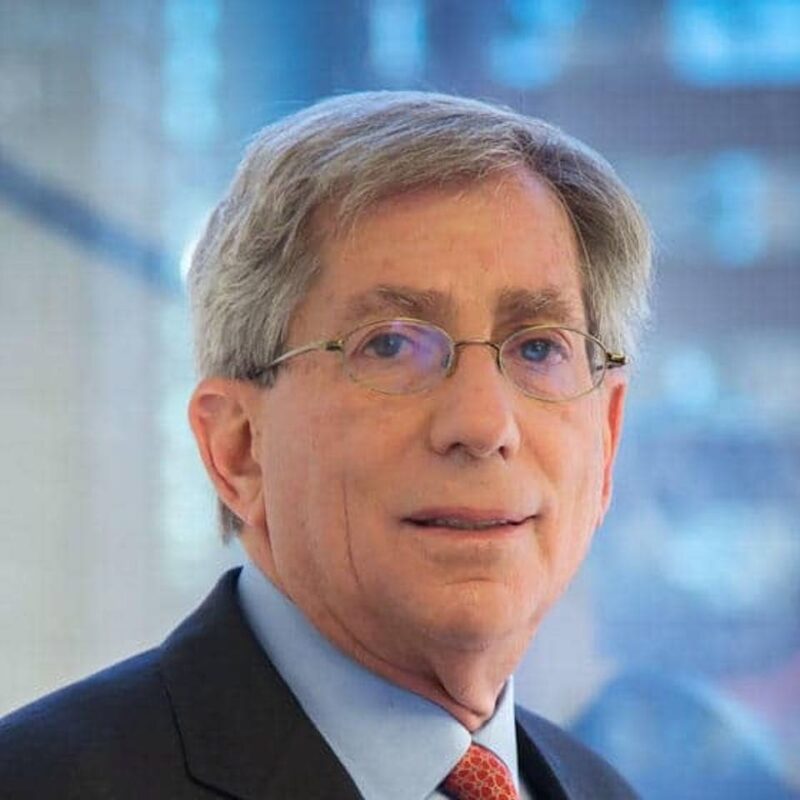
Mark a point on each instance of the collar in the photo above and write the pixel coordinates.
(241, 729)
(394, 744)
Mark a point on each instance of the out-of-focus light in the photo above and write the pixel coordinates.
(191, 72)
(534, 53)
(188, 63)
(525, 62)
(748, 42)
(715, 556)
(191, 18)
(690, 379)
(193, 119)
(737, 189)
(397, 38)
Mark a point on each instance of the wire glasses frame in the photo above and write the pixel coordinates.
(404, 355)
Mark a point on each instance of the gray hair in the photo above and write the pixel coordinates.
(257, 256)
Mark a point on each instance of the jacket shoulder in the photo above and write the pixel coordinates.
(81, 740)
(582, 773)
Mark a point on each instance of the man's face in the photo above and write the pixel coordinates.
(347, 474)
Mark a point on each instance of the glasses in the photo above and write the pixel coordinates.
(405, 356)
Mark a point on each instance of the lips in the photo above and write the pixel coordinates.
(466, 519)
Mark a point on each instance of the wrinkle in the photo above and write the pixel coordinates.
(349, 539)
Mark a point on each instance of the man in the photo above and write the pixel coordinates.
(411, 317)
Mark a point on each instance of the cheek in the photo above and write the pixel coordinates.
(376, 475)
(566, 444)
(331, 465)
(572, 461)
(301, 485)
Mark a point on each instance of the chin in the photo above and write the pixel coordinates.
(483, 614)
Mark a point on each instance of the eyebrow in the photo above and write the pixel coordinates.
(394, 299)
(544, 305)
(514, 305)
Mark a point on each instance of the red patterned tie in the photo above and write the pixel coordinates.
(480, 775)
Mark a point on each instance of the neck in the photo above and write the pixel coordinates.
(464, 680)
(466, 687)
(464, 677)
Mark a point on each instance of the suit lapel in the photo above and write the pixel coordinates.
(242, 730)
(538, 766)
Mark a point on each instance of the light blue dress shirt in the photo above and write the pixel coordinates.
(394, 744)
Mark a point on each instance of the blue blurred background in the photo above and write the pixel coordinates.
(677, 651)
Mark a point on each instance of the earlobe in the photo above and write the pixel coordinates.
(222, 415)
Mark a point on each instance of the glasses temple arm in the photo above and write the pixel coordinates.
(329, 345)
(615, 360)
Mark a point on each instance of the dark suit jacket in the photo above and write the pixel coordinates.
(206, 715)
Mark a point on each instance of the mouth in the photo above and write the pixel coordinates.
(467, 520)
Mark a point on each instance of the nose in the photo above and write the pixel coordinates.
(474, 411)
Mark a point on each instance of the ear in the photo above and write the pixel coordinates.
(615, 390)
(223, 415)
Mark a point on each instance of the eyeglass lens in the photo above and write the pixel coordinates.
(401, 356)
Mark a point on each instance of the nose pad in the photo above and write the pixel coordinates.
(467, 342)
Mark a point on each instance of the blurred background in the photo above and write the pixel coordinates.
(677, 651)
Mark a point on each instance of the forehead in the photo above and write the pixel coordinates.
(503, 247)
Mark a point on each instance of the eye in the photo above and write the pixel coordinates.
(539, 349)
(386, 345)
(398, 345)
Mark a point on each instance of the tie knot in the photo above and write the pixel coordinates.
(480, 775)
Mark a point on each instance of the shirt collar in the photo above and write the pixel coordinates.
(395, 744)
